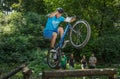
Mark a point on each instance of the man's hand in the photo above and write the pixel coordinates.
(73, 19)
(53, 13)
(70, 19)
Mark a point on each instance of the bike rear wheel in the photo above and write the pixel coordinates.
(53, 59)
(80, 34)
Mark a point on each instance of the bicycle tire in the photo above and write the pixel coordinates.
(77, 30)
(50, 62)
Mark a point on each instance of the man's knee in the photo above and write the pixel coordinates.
(54, 35)
(60, 29)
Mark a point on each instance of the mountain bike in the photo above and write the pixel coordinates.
(79, 36)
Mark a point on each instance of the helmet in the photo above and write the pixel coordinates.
(60, 10)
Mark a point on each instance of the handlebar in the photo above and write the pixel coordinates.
(69, 19)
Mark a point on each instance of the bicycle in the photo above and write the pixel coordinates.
(77, 39)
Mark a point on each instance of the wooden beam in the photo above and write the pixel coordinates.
(26, 73)
(79, 73)
(14, 71)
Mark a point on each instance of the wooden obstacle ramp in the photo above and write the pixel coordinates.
(111, 73)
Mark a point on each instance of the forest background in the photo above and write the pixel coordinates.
(22, 23)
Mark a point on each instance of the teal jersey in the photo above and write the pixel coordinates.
(53, 22)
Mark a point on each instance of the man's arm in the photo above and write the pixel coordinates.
(73, 19)
(70, 19)
(53, 14)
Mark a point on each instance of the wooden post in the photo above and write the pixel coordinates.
(43, 74)
(44, 77)
(113, 76)
(26, 73)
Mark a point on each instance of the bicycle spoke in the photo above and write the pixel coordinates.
(80, 33)
(79, 38)
(81, 28)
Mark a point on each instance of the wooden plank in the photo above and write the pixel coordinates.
(79, 73)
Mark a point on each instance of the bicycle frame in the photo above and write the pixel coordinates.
(60, 44)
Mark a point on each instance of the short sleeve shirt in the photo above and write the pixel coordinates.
(92, 61)
(53, 22)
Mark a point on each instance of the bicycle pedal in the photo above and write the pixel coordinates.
(53, 50)
(65, 43)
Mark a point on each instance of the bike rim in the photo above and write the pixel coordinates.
(52, 59)
(81, 34)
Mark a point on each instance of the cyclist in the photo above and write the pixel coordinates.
(52, 30)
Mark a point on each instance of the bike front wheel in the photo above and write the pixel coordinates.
(80, 34)
(53, 59)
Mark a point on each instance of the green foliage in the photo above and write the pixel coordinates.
(37, 6)
(19, 33)
(107, 48)
(39, 61)
(36, 62)
(101, 16)
(22, 32)
(99, 13)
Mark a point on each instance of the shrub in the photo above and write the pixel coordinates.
(107, 49)
(19, 33)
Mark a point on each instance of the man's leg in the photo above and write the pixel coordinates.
(53, 40)
(54, 36)
(61, 31)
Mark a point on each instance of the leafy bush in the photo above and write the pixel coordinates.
(19, 33)
(107, 49)
(39, 61)
(22, 32)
